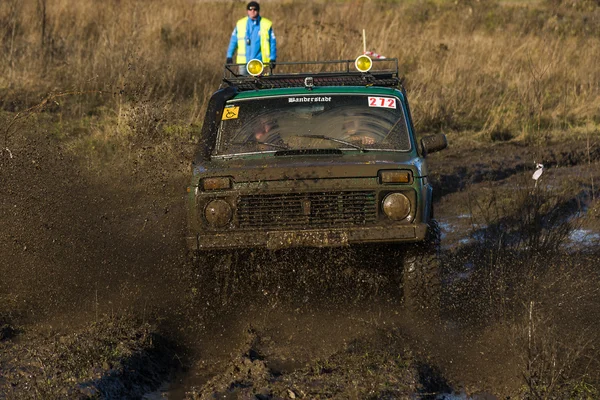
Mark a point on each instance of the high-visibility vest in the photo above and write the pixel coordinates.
(265, 44)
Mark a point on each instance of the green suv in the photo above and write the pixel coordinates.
(317, 159)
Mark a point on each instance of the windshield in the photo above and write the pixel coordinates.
(300, 122)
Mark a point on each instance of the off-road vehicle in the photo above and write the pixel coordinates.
(317, 159)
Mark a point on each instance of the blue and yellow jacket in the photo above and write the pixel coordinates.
(253, 39)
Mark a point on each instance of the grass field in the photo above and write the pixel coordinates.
(502, 70)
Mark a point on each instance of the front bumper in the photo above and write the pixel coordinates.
(307, 238)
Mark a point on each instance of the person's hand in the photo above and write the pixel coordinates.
(229, 60)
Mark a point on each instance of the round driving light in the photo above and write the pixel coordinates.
(363, 63)
(218, 213)
(255, 67)
(396, 206)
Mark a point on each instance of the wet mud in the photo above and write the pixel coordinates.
(98, 297)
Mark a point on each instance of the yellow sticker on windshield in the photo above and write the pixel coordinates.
(231, 113)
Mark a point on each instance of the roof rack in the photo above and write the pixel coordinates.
(324, 73)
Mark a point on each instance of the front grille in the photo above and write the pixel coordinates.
(294, 210)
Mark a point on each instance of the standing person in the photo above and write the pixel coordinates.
(253, 37)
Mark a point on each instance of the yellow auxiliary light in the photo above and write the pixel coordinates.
(255, 67)
(363, 63)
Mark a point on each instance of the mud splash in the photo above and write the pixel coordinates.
(85, 249)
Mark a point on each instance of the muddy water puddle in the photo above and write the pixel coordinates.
(584, 238)
(462, 230)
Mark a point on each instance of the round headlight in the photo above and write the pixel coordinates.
(255, 67)
(363, 63)
(396, 206)
(218, 213)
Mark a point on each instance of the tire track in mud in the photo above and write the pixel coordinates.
(457, 168)
(78, 251)
(70, 242)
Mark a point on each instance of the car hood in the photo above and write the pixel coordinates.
(347, 165)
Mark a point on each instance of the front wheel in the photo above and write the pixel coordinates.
(421, 274)
(220, 270)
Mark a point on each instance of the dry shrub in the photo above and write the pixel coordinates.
(502, 69)
(558, 363)
(532, 220)
(508, 71)
(524, 272)
(515, 233)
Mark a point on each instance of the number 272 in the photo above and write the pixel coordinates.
(387, 102)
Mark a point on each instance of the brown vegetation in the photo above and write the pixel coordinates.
(503, 69)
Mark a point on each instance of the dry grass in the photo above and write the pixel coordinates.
(505, 70)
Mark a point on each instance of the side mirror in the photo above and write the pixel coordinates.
(433, 143)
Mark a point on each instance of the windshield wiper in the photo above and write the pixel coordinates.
(333, 140)
(277, 146)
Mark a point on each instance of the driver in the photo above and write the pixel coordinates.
(267, 134)
(262, 132)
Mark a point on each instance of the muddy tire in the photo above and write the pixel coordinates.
(221, 269)
(421, 275)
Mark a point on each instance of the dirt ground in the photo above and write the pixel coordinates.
(99, 300)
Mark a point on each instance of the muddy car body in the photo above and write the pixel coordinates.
(336, 163)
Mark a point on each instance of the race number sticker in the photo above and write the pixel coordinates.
(385, 102)
(230, 113)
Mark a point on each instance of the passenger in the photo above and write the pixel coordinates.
(253, 38)
(352, 133)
